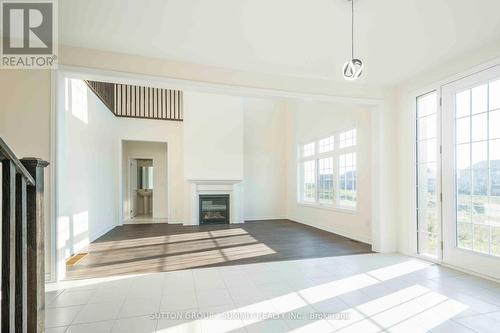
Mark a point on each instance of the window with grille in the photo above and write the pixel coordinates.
(327, 171)
(477, 153)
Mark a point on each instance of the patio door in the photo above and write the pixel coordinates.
(428, 180)
(471, 172)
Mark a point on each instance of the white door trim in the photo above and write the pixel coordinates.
(122, 173)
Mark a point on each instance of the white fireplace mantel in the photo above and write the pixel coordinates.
(230, 187)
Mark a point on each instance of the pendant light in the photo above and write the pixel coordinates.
(352, 68)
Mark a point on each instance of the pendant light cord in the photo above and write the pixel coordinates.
(352, 29)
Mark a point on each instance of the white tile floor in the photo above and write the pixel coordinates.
(358, 293)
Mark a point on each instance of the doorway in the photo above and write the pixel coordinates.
(471, 172)
(141, 188)
(144, 182)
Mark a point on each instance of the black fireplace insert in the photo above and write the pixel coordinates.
(214, 209)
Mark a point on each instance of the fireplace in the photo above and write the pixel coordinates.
(214, 208)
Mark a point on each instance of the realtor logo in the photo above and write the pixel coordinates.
(28, 34)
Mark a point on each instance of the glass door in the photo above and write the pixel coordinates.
(471, 172)
(428, 176)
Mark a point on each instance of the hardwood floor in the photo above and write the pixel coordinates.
(144, 248)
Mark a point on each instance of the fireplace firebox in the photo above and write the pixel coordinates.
(214, 209)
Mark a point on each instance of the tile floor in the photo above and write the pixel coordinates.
(354, 293)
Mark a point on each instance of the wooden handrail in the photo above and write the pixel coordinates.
(23, 275)
(6, 153)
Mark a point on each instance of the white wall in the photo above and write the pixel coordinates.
(87, 205)
(25, 123)
(213, 137)
(127, 63)
(384, 171)
(264, 180)
(91, 165)
(157, 151)
(308, 121)
(171, 133)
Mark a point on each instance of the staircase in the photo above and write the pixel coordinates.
(23, 272)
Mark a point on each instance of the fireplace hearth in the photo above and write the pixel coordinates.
(214, 209)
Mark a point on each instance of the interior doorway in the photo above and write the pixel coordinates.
(144, 182)
(141, 189)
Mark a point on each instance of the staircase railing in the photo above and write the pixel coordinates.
(23, 272)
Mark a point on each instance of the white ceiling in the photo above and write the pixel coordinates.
(307, 38)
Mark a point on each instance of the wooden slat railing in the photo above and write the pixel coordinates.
(23, 276)
(105, 91)
(130, 101)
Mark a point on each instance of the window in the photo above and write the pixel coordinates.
(328, 171)
(325, 190)
(347, 180)
(310, 181)
(348, 138)
(308, 149)
(428, 223)
(326, 145)
(477, 165)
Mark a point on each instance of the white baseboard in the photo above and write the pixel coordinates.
(334, 231)
(91, 239)
(264, 218)
(197, 224)
(145, 221)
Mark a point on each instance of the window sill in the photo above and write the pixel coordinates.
(346, 210)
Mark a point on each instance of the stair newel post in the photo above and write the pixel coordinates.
(35, 246)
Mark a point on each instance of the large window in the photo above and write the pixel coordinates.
(347, 179)
(428, 222)
(477, 162)
(328, 171)
(310, 181)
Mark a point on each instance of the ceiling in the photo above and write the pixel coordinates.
(306, 38)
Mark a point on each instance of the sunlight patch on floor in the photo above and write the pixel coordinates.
(365, 293)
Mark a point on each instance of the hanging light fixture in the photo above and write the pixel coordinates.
(352, 68)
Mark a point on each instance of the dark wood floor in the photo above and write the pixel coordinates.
(143, 248)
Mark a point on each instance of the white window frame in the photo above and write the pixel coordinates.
(335, 154)
(463, 258)
(415, 206)
(411, 117)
